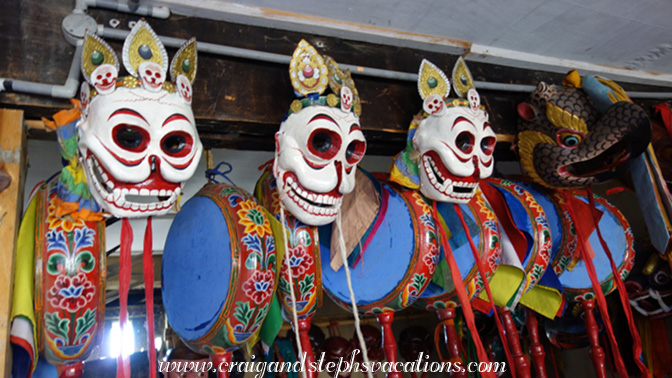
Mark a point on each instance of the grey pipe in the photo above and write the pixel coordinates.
(67, 90)
(358, 70)
(140, 10)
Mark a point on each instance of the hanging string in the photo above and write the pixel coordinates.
(462, 295)
(597, 289)
(622, 292)
(355, 312)
(486, 284)
(212, 173)
(288, 268)
(148, 273)
(125, 266)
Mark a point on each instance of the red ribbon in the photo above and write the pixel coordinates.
(125, 266)
(148, 267)
(599, 295)
(486, 284)
(622, 293)
(462, 296)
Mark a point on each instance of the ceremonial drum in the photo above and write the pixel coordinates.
(528, 216)
(219, 265)
(69, 284)
(398, 257)
(619, 238)
(399, 254)
(484, 232)
(563, 235)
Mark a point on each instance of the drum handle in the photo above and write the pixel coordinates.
(596, 352)
(447, 317)
(295, 318)
(536, 349)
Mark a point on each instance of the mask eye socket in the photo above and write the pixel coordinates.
(177, 144)
(661, 278)
(130, 137)
(324, 143)
(569, 138)
(465, 142)
(488, 145)
(355, 151)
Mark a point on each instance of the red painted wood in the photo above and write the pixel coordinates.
(536, 349)
(389, 343)
(596, 352)
(447, 317)
(519, 359)
(304, 328)
(71, 370)
(219, 359)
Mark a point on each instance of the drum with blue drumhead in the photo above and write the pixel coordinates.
(219, 265)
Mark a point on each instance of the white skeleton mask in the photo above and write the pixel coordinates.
(137, 137)
(317, 150)
(138, 148)
(455, 149)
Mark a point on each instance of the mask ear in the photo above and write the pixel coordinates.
(431, 80)
(95, 54)
(462, 79)
(143, 45)
(185, 62)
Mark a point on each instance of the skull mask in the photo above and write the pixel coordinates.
(316, 154)
(456, 153)
(138, 144)
(454, 142)
(320, 142)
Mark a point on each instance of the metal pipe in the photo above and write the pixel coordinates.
(140, 10)
(67, 90)
(358, 70)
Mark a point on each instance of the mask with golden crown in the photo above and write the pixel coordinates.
(450, 144)
(320, 142)
(137, 136)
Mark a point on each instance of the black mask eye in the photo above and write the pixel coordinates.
(321, 142)
(324, 143)
(355, 151)
(488, 145)
(173, 144)
(130, 137)
(177, 144)
(465, 142)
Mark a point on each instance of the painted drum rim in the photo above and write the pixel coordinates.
(624, 267)
(417, 277)
(46, 196)
(267, 186)
(541, 258)
(484, 213)
(222, 196)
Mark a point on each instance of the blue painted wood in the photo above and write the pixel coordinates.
(385, 261)
(614, 235)
(196, 268)
(553, 213)
(464, 257)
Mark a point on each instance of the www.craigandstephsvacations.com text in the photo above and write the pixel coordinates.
(421, 365)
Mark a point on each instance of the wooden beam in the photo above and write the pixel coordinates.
(12, 166)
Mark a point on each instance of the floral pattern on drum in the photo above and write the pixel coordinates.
(302, 256)
(69, 281)
(253, 278)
